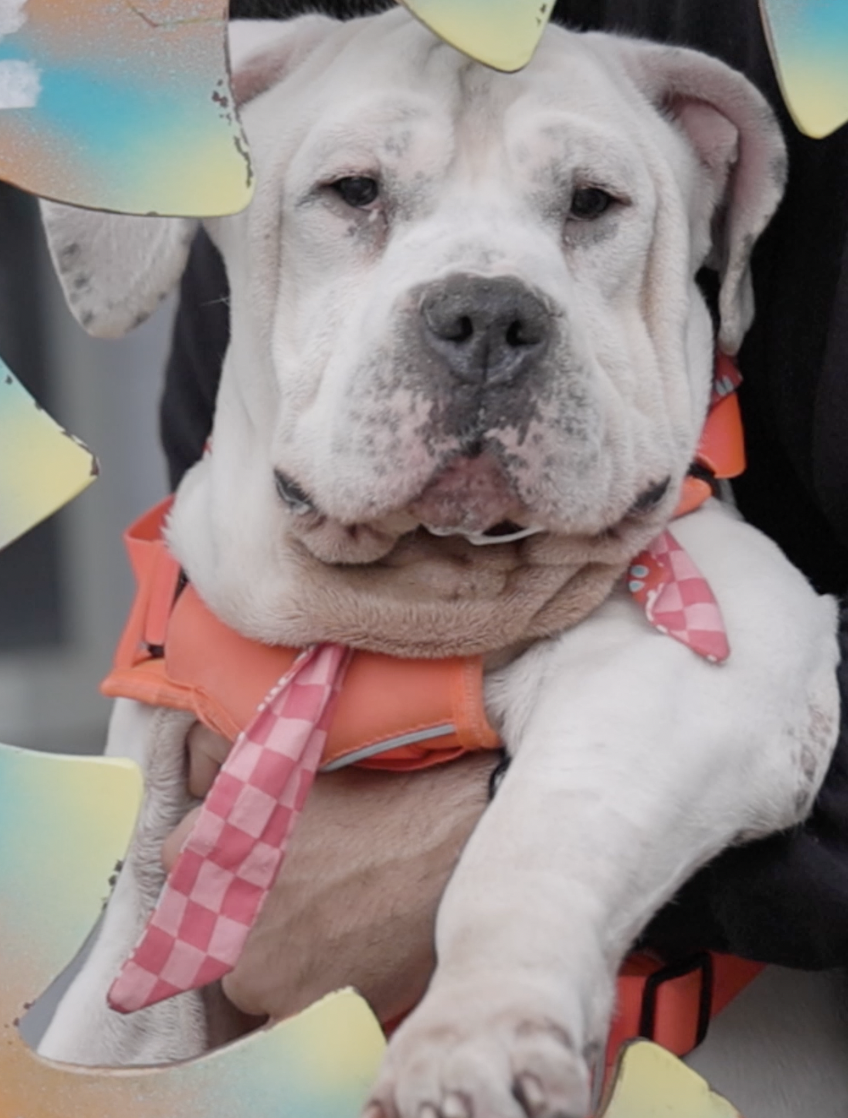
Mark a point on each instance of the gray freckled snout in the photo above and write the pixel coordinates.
(488, 330)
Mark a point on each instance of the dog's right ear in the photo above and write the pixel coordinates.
(115, 268)
(263, 51)
(737, 139)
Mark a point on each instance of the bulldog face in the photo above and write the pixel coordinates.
(485, 319)
(473, 352)
(461, 301)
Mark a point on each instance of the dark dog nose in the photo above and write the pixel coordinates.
(488, 330)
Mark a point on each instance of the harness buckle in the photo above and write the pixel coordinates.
(667, 1001)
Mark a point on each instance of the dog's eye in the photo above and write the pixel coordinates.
(588, 202)
(358, 191)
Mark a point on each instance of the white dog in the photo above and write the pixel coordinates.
(466, 302)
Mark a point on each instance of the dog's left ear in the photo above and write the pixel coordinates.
(738, 141)
(114, 268)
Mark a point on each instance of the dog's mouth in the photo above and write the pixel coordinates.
(507, 531)
(471, 498)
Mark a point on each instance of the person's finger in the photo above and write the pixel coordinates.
(173, 844)
(207, 751)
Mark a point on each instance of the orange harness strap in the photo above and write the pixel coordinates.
(721, 450)
(672, 1004)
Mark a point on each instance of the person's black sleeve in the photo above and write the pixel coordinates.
(200, 337)
(781, 900)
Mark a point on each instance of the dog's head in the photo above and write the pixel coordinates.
(460, 299)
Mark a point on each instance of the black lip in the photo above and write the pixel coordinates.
(504, 528)
(292, 496)
(650, 498)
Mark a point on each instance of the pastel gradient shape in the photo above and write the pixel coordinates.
(649, 1082)
(808, 40)
(42, 467)
(64, 821)
(502, 34)
(121, 105)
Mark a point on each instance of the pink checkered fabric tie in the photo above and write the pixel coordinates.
(677, 599)
(231, 857)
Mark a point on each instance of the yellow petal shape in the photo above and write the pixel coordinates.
(502, 34)
(808, 40)
(63, 823)
(649, 1082)
(121, 105)
(42, 467)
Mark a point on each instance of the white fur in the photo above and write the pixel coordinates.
(635, 761)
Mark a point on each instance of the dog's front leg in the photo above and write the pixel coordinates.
(635, 762)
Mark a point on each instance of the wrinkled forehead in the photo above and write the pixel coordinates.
(388, 92)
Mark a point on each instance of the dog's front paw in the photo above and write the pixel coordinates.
(475, 1053)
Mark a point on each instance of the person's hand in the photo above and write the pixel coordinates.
(355, 902)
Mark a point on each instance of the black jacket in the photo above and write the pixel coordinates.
(783, 899)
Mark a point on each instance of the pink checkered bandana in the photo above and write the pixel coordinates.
(229, 861)
(677, 598)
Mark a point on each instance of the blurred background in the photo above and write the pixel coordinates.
(65, 587)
